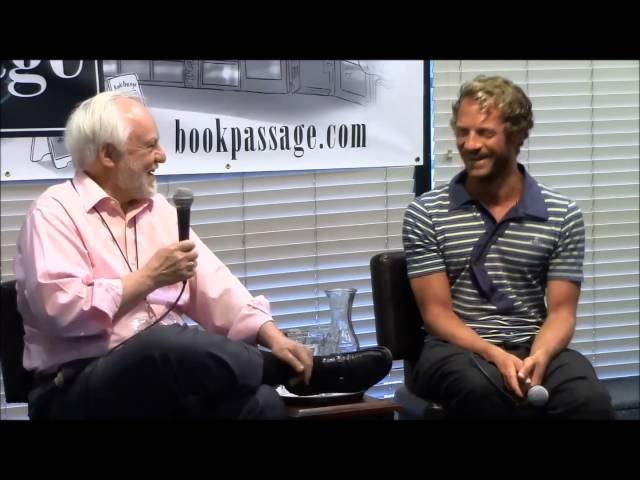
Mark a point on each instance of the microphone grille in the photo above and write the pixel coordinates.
(538, 395)
(183, 197)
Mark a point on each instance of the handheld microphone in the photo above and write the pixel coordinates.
(537, 396)
(183, 198)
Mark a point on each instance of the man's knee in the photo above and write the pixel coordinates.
(176, 341)
(598, 405)
(586, 400)
(180, 345)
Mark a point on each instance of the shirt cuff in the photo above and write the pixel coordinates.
(252, 316)
(107, 295)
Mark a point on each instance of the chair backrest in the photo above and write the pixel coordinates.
(399, 327)
(17, 380)
(398, 320)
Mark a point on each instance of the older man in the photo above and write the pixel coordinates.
(102, 283)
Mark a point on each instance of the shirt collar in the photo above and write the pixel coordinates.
(91, 193)
(531, 203)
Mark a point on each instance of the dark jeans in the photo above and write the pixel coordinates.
(167, 372)
(467, 386)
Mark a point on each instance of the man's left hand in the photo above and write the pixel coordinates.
(294, 354)
(533, 368)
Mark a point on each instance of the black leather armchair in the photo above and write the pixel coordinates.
(17, 380)
(399, 327)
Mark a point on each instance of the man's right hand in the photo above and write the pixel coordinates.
(172, 264)
(509, 365)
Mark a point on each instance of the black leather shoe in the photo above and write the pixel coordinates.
(346, 372)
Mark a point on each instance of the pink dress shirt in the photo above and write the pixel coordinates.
(68, 272)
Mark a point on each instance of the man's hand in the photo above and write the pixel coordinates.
(509, 365)
(534, 367)
(167, 266)
(294, 354)
(172, 264)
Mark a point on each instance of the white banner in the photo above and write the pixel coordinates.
(263, 115)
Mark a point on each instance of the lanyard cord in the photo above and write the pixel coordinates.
(135, 236)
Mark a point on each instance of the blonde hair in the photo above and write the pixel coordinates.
(95, 122)
(506, 97)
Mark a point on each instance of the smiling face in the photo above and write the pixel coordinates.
(135, 171)
(483, 142)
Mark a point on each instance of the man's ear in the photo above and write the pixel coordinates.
(108, 155)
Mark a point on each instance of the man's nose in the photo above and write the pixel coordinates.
(161, 157)
(472, 142)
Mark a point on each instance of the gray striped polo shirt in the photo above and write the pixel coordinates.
(497, 272)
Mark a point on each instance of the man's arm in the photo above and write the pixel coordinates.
(563, 290)
(219, 302)
(55, 269)
(433, 296)
(557, 330)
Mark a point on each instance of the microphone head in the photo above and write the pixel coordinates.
(183, 198)
(538, 396)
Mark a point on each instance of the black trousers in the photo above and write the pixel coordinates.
(469, 387)
(167, 372)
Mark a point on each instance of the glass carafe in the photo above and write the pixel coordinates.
(342, 337)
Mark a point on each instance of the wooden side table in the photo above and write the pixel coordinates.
(366, 408)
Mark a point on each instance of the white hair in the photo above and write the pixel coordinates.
(95, 122)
